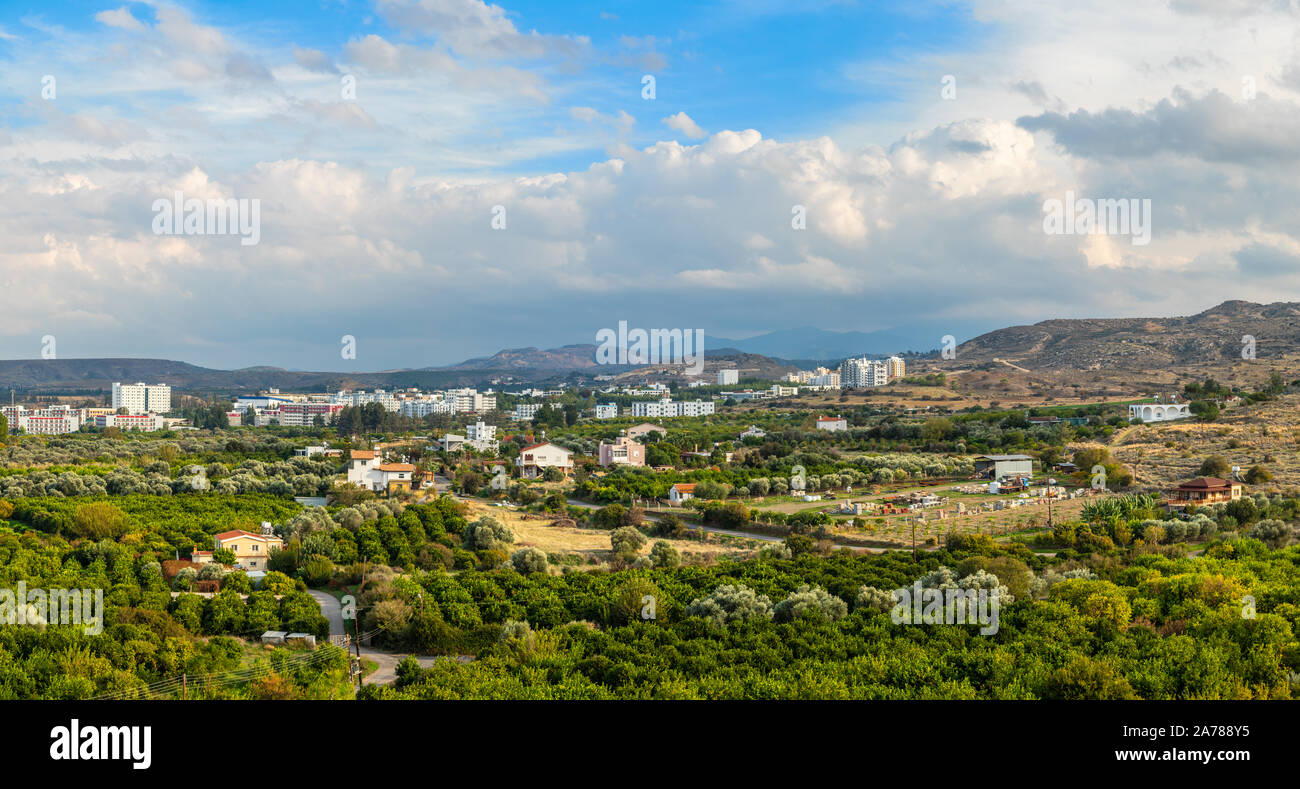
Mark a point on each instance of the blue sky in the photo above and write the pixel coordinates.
(922, 204)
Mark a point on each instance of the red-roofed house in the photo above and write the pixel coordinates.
(832, 423)
(681, 492)
(251, 550)
(368, 469)
(1204, 490)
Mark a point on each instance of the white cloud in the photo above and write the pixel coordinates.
(120, 17)
(683, 123)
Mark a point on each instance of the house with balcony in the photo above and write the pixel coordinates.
(1202, 491)
(251, 550)
(534, 460)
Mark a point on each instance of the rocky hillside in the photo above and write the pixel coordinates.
(1141, 343)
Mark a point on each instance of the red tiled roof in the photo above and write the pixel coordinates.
(1207, 482)
(226, 535)
(396, 467)
(362, 454)
(684, 487)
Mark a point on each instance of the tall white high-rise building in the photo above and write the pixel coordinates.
(142, 398)
(864, 372)
(897, 369)
(728, 377)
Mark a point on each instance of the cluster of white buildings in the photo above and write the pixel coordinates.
(299, 410)
(777, 390)
(143, 404)
(57, 420)
(821, 378)
(853, 373)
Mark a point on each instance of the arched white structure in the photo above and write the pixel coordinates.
(1159, 412)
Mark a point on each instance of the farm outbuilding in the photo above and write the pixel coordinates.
(999, 466)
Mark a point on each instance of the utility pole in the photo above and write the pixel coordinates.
(185, 687)
(1050, 496)
(356, 629)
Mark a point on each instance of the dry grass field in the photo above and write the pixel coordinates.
(592, 545)
(1266, 434)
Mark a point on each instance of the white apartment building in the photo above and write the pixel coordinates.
(895, 367)
(467, 400)
(606, 410)
(423, 407)
(668, 408)
(863, 372)
(142, 398)
(49, 425)
(304, 414)
(728, 377)
(481, 436)
(525, 412)
(146, 423)
(359, 398)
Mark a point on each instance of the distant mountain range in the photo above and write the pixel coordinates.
(1084, 344)
(822, 345)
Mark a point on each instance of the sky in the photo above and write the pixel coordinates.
(441, 179)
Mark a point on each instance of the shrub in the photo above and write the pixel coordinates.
(665, 555)
(529, 560)
(626, 541)
(731, 603)
(812, 602)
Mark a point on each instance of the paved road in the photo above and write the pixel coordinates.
(387, 671)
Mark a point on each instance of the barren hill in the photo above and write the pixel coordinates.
(1144, 344)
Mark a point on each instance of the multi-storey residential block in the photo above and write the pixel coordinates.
(304, 414)
(422, 407)
(861, 373)
(525, 412)
(667, 408)
(36, 424)
(895, 367)
(469, 400)
(606, 410)
(142, 398)
(728, 377)
(146, 423)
